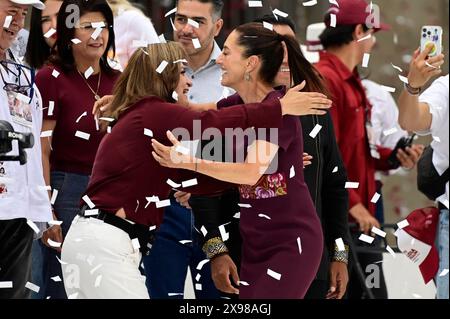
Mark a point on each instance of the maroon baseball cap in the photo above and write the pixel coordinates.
(351, 12)
(417, 240)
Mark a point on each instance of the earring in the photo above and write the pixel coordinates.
(247, 76)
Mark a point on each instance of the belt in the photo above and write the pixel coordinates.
(141, 232)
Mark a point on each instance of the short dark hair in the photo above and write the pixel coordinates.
(339, 35)
(64, 56)
(270, 18)
(38, 51)
(217, 6)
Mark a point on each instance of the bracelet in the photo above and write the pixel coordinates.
(214, 247)
(411, 90)
(340, 255)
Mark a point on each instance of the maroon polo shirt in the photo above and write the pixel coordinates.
(72, 97)
(125, 173)
(349, 111)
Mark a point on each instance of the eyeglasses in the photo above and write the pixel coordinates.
(17, 70)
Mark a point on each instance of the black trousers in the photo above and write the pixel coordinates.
(16, 238)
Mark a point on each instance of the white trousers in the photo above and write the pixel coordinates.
(99, 262)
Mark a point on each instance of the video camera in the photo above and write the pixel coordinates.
(7, 135)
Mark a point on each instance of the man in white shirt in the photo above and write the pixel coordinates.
(428, 113)
(23, 196)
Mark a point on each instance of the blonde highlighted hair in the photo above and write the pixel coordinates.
(140, 78)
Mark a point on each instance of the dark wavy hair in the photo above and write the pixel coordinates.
(267, 44)
(64, 56)
(38, 52)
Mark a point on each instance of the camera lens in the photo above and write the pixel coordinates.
(429, 32)
(424, 35)
(424, 30)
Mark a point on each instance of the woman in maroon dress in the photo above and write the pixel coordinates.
(282, 235)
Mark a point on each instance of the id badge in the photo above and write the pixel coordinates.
(19, 109)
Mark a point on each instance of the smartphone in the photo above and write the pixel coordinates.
(431, 34)
(402, 143)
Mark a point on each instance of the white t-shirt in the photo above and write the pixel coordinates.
(22, 187)
(132, 25)
(436, 96)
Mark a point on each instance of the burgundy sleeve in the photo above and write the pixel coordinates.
(47, 85)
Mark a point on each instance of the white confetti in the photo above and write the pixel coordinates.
(107, 119)
(32, 287)
(309, 3)
(162, 66)
(173, 294)
(96, 33)
(255, 4)
(53, 243)
(108, 130)
(443, 273)
(390, 131)
(198, 286)
(51, 107)
(204, 231)
(56, 279)
(83, 135)
(315, 131)
(299, 244)
(90, 212)
(334, 2)
(189, 183)
(54, 195)
(152, 228)
(184, 242)
(268, 25)
(292, 172)
(264, 216)
(417, 296)
(375, 198)
(173, 25)
(437, 139)
(73, 296)
(170, 12)
(175, 96)
(99, 24)
(391, 251)
(55, 222)
(351, 185)
(340, 244)
(171, 183)
(273, 274)
(243, 283)
(7, 22)
(88, 72)
(193, 23)
(335, 169)
(367, 37)
(33, 226)
(153, 199)
(237, 215)
(332, 20)
(183, 61)
(81, 116)
(55, 73)
(223, 233)
(403, 224)
(245, 205)
(197, 278)
(76, 41)
(135, 243)
(98, 280)
(431, 66)
(61, 261)
(378, 232)
(88, 201)
(196, 43)
(404, 79)
(163, 203)
(6, 284)
(23, 98)
(148, 132)
(366, 59)
(49, 33)
(397, 68)
(366, 239)
(388, 88)
(201, 264)
(280, 13)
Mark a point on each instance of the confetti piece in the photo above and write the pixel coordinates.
(83, 135)
(334, 2)
(375, 198)
(53, 243)
(340, 244)
(367, 37)
(6, 284)
(335, 169)
(162, 66)
(264, 216)
(73, 296)
(175, 96)
(404, 79)
(61, 261)
(135, 243)
(245, 205)
(162, 39)
(309, 3)
(151, 228)
(98, 280)
(223, 233)
(388, 88)
(189, 183)
(332, 20)
(76, 41)
(437, 139)
(80, 117)
(237, 215)
(96, 33)
(268, 25)
(173, 25)
(366, 59)
(88, 201)
(184, 61)
(163, 203)
(255, 4)
(201, 264)
(183, 150)
(378, 232)
(292, 172)
(299, 244)
(49, 33)
(90, 212)
(99, 24)
(204, 231)
(443, 273)
(197, 278)
(273, 274)
(88, 72)
(173, 294)
(351, 185)
(390, 131)
(170, 12)
(108, 130)
(56, 279)
(280, 13)
(7, 22)
(417, 296)
(107, 119)
(431, 66)
(198, 286)
(193, 23)
(171, 183)
(148, 132)
(55, 73)
(397, 68)
(196, 43)
(366, 239)
(32, 287)
(51, 106)
(391, 251)
(187, 241)
(33, 226)
(54, 195)
(403, 224)
(315, 131)
(243, 283)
